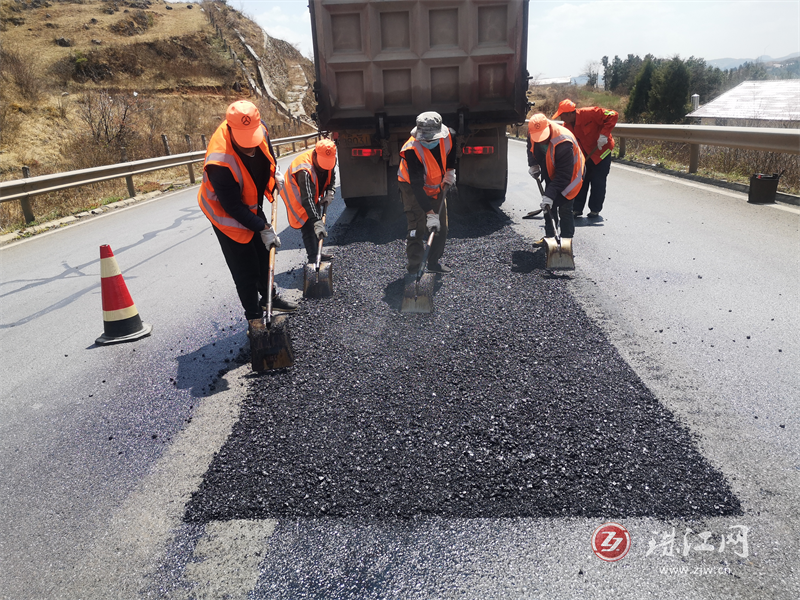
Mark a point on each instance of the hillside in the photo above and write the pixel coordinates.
(70, 71)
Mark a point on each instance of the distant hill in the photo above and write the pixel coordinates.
(734, 63)
(174, 66)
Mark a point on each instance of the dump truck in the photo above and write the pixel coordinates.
(381, 63)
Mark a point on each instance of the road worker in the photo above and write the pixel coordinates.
(553, 153)
(592, 127)
(238, 172)
(310, 181)
(427, 163)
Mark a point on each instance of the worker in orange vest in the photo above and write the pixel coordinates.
(310, 182)
(592, 127)
(553, 153)
(238, 172)
(427, 163)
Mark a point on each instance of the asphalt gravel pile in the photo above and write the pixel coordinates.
(506, 401)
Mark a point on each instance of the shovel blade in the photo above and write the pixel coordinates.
(559, 257)
(418, 297)
(271, 346)
(318, 284)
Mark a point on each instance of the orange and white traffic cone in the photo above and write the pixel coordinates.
(121, 322)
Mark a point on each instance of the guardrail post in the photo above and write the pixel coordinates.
(621, 147)
(27, 211)
(203, 139)
(694, 157)
(191, 167)
(128, 178)
(166, 144)
(293, 147)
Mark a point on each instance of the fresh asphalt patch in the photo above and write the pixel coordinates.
(506, 401)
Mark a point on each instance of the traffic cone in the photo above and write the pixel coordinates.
(121, 322)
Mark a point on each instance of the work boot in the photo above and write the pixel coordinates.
(283, 305)
(593, 214)
(577, 213)
(439, 268)
(323, 258)
(540, 243)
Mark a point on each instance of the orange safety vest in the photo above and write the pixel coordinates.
(560, 135)
(220, 152)
(433, 172)
(291, 190)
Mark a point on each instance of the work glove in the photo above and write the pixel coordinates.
(601, 141)
(535, 171)
(327, 198)
(279, 181)
(270, 238)
(450, 177)
(432, 222)
(319, 229)
(547, 203)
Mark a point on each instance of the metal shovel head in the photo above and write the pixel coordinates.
(318, 284)
(559, 257)
(418, 297)
(271, 346)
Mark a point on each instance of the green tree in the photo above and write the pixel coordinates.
(707, 82)
(637, 102)
(668, 100)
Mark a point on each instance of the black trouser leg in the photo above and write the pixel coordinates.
(579, 201)
(249, 267)
(418, 230)
(310, 240)
(597, 177)
(563, 208)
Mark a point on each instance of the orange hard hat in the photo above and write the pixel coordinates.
(245, 122)
(564, 106)
(326, 154)
(538, 128)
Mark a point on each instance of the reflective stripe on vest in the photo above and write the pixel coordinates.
(433, 172)
(220, 152)
(292, 197)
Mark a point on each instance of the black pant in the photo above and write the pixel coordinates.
(564, 209)
(595, 176)
(310, 240)
(249, 266)
(418, 230)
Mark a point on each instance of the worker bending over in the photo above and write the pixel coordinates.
(427, 163)
(554, 153)
(309, 187)
(592, 127)
(239, 170)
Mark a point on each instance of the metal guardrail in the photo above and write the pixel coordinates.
(768, 139)
(24, 189)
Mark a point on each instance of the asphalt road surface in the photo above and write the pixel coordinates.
(470, 453)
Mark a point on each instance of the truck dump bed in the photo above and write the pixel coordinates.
(400, 58)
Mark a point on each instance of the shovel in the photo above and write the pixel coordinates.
(559, 251)
(318, 276)
(270, 345)
(418, 293)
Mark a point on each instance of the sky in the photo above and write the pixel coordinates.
(565, 36)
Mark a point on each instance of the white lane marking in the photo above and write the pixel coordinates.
(135, 540)
(231, 553)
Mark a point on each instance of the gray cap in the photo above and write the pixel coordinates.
(429, 127)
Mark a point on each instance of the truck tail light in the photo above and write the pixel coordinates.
(478, 150)
(366, 152)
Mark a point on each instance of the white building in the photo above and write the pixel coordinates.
(773, 103)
